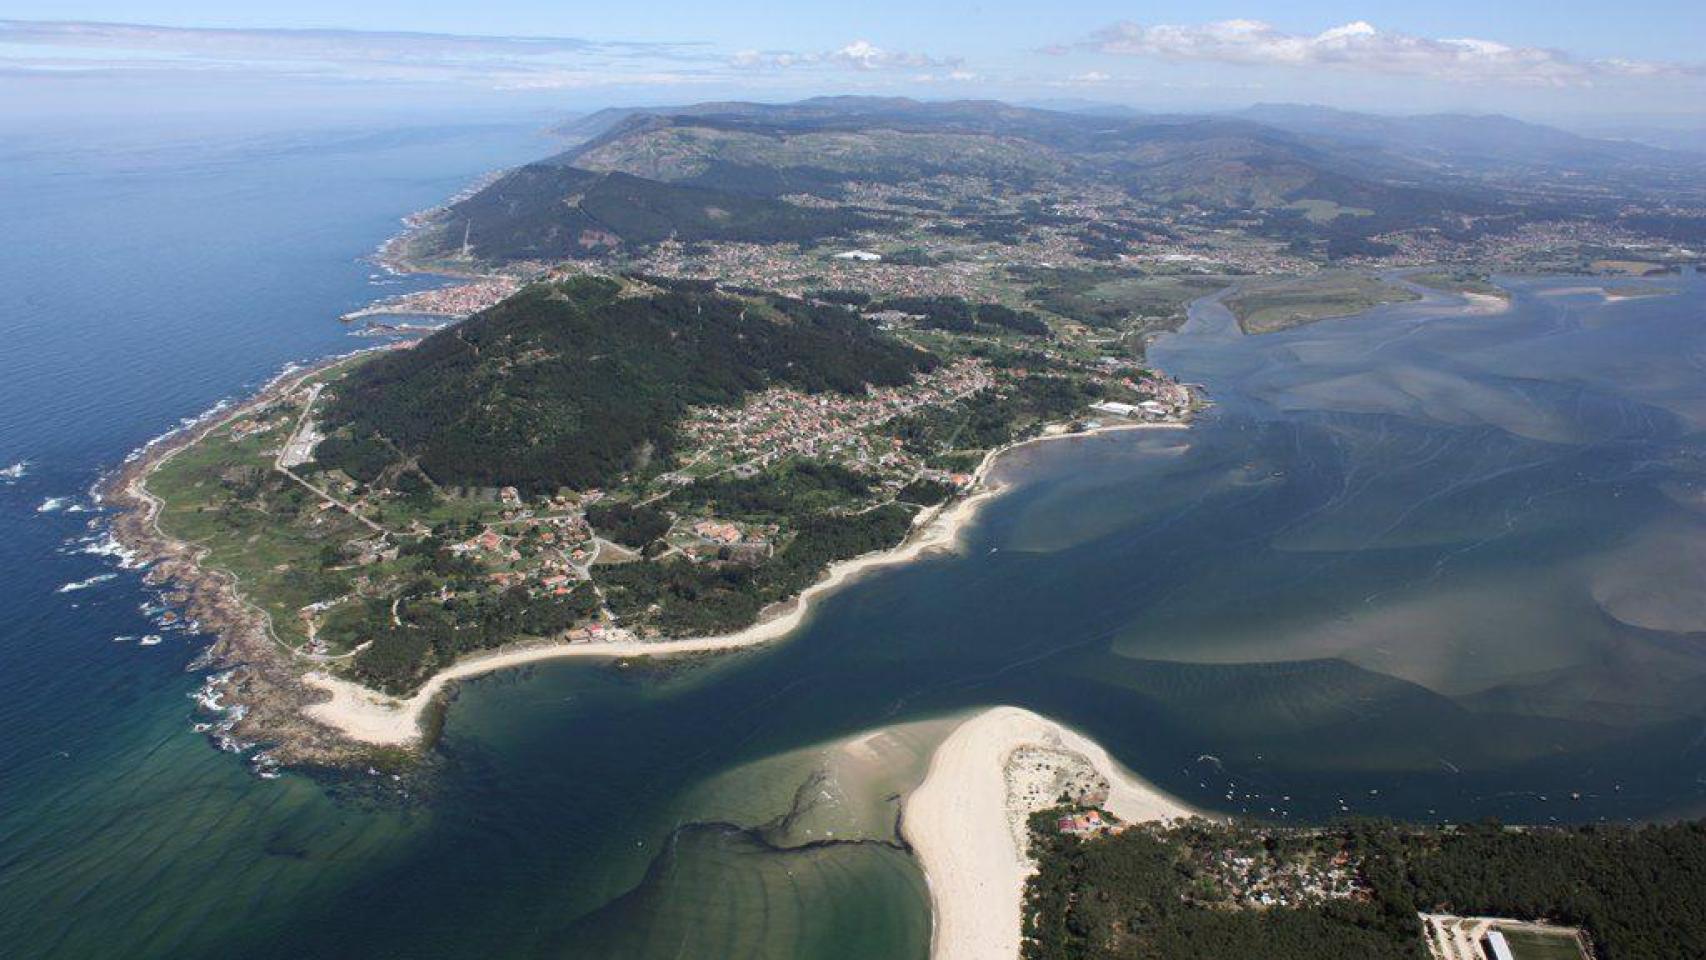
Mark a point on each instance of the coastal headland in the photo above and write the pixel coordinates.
(259, 676)
(314, 675)
(279, 695)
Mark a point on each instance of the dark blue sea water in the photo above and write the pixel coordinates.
(1417, 563)
(148, 276)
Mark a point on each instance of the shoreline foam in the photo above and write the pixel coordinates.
(959, 824)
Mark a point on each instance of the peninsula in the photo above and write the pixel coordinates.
(968, 822)
(713, 360)
(605, 466)
(1037, 845)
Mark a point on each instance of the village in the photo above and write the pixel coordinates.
(550, 546)
(779, 423)
(454, 301)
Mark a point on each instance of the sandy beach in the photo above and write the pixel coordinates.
(1485, 304)
(370, 717)
(966, 826)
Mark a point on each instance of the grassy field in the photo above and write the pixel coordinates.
(1155, 294)
(1269, 305)
(1459, 282)
(204, 489)
(278, 539)
(1533, 945)
(1326, 211)
(1629, 268)
(1119, 305)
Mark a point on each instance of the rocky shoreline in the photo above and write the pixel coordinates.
(298, 716)
(272, 699)
(255, 683)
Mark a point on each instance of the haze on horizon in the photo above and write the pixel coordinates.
(1607, 68)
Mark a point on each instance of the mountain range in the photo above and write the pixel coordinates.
(721, 171)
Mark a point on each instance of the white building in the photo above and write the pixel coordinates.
(1116, 409)
(1498, 948)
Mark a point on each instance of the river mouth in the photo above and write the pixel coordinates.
(1422, 563)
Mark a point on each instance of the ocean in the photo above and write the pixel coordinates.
(1418, 563)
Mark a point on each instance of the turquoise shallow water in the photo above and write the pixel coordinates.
(1415, 563)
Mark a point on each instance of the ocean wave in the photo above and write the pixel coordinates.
(108, 546)
(86, 584)
(53, 504)
(15, 472)
(152, 639)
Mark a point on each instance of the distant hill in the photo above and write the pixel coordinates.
(1493, 145)
(1093, 108)
(721, 170)
(551, 212)
(817, 145)
(576, 383)
(764, 156)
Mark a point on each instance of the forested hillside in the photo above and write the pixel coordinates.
(1194, 891)
(549, 212)
(574, 384)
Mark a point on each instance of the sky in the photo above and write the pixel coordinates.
(1639, 60)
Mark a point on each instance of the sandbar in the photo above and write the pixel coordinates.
(969, 833)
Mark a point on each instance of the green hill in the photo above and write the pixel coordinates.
(816, 145)
(576, 384)
(550, 212)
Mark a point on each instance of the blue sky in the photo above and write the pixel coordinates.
(1519, 56)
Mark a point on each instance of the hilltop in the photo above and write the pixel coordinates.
(576, 384)
(624, 459)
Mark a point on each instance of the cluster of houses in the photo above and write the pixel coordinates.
(1259, 880)
(778, 423)
(1087, 822)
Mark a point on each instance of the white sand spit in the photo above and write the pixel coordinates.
(968, 832)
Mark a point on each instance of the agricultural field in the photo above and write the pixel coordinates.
(1532, 944)
(1326, 211)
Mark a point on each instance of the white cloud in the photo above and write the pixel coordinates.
(494, 62)
(859, 55)
(1362, 46)
(489, 62)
